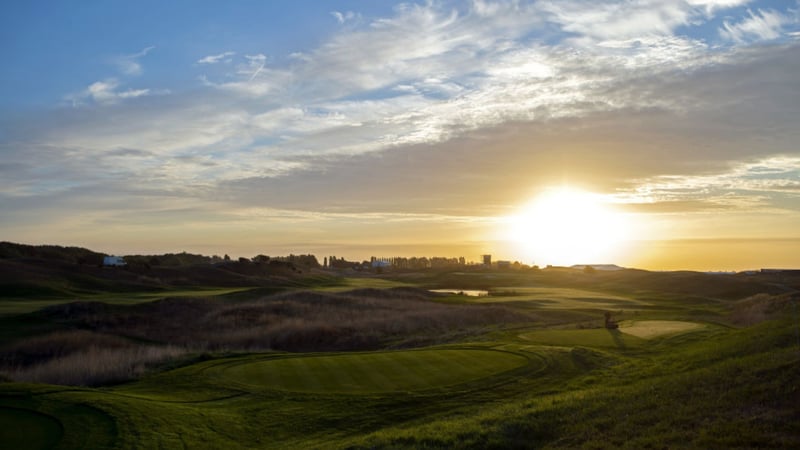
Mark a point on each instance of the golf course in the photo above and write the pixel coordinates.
(384, 362)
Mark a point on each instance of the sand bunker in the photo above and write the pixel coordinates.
(648, 329)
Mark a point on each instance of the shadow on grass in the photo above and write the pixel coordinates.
(616, 335)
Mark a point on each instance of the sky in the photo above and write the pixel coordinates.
(359, 128)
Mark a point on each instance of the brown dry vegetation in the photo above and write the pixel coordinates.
(760, 307)
(80, 357)
(293, 321)
(116, 343)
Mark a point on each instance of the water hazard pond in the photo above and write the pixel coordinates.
(467, 292)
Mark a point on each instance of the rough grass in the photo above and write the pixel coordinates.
(81, 358)
(758, 308)
(375, 372)
(118, 343)
(366, 319)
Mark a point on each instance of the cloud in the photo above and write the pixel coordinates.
(129, 64)
(762, 25)
(439, 111)
(215, 59)
(106, 92)
(746, 186)
(711, 6)
(345, 16)
(614, 20)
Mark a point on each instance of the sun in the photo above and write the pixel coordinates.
(566, 226)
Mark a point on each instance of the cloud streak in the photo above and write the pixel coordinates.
(129, 64)
(759, 26)
(216, 59)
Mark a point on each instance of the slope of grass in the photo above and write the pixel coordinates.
(596, 337)
(719, 401)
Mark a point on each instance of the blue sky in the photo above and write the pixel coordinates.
(304, 124)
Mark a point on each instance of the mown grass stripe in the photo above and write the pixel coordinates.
(375, 372)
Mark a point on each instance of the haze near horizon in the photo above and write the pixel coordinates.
(656, 134)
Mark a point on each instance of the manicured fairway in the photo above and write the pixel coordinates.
(10, 307)
(26, 429)
(648, 329)
(375, 372)
(349, 284)
(597, 337)
(560, 298)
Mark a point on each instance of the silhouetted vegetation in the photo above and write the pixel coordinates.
(76, 255)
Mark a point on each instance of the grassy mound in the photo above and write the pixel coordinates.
(375, 372)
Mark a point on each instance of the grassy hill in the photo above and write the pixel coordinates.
(699, 361)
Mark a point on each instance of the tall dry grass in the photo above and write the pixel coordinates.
(760, 307)
(303, 321)
(96, 365)
(112, 349)
(81, 358)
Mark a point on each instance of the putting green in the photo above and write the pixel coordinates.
(375, 372)
(648, 329)
(26, 429)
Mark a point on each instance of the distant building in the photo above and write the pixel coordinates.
(376, 263)
(487, 260)
(503, 264)
(113, 261)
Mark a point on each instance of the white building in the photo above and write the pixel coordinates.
(113, 261)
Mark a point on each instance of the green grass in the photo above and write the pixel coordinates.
(26, 429)
(40, 417)
(546, 383)
(560, 298)
(10, 307)
(596, 337)
(730, 390)
(348, 284)
(375, 372)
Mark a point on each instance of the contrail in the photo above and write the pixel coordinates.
(256, 72)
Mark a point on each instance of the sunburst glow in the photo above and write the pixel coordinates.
(567, 226)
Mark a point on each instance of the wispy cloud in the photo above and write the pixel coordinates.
(129, 64)
(711, 6)
(215, 59)
(761, 25)
(343, 17)
(614, 20)
(745, 186)
(107, 92)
